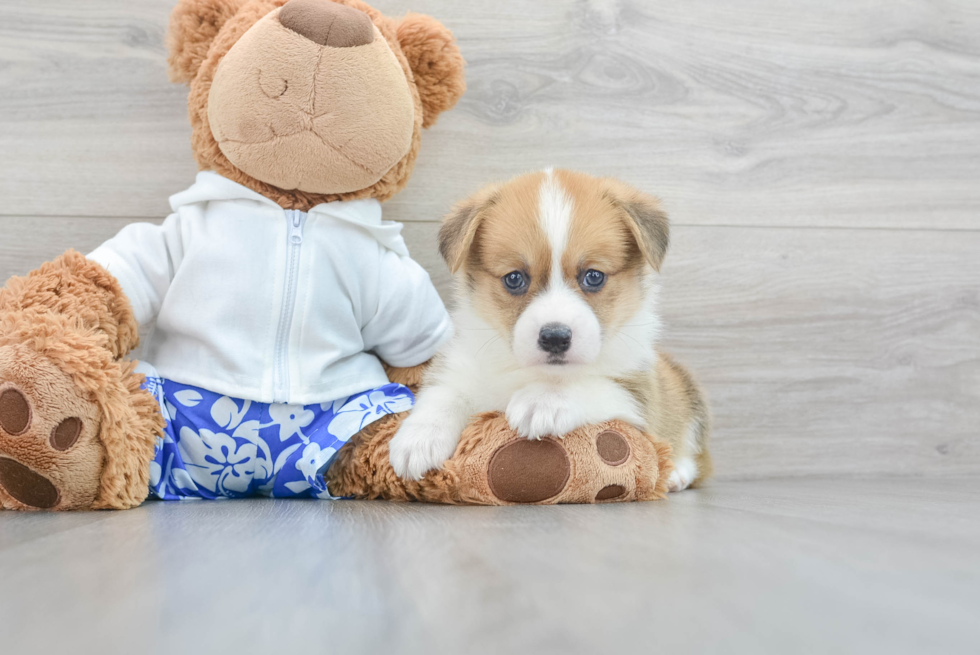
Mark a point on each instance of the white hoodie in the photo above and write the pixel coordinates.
(272, 305)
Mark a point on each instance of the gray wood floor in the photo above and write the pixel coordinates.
(779, 566)
(821, 163)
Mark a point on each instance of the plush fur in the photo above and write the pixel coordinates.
(435, 62)
(194, 24)
(63, 331)
(74, 286)
(470, 477)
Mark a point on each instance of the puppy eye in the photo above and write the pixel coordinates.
(515, 282)
(593, 280)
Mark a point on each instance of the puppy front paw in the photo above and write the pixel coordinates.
(420, 446)
(536, 413)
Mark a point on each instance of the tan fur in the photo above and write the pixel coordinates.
(505, 242)
(600, 238)
(193, 26)
(441, 83)
(676, 397)
(295, 114)
(435, 62)
(673, 403)
(74, 286)
(410, 376)
(59, 317)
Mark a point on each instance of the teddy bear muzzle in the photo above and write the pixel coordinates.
(312, 98)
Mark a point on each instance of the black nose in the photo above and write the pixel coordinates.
(555, 338)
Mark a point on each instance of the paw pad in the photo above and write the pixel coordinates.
(613, 448)
(27, 487)
(610, 492)
(525, 471)
(66, 433)
(15, 412)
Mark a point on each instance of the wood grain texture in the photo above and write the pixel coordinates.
(790, 566)
(823, 351)
(754, 113)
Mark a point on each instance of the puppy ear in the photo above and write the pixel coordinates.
(646, 220)
(435, 61)
(193, 26)
(459, 228)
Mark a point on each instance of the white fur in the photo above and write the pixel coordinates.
(481, 370)
(558, 304)
(684, 473)
(555, 215)
(539, 410)
(686, 468)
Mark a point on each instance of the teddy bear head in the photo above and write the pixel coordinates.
(310, 101)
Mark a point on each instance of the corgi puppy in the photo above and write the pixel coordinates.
(556, 323)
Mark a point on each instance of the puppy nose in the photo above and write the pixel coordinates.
(555, 338)
(327, 22)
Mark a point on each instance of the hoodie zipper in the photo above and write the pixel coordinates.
(294, 243)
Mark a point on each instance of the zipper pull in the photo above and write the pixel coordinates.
(296, 227)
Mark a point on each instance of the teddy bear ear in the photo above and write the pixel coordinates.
(436, 62)
(193, 26)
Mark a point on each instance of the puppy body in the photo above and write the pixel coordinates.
(556, 323)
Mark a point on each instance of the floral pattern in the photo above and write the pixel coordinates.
(220, 447)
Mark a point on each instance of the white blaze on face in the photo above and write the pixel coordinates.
(558, 303)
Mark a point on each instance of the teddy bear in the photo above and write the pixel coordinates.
(283, 317)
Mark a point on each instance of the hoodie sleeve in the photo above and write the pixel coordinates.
(143, 257)
(411, 323)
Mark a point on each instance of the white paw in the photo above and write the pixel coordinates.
(420, 446)
(684, 473)
(534, 413)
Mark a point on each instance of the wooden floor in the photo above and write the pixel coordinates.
(778, 566)
(821, 164)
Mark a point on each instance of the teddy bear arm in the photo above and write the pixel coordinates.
(80, 289)
(605, 462)
(76, 429)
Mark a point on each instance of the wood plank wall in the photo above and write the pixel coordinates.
(821, 162)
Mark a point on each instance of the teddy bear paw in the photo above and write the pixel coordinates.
(586, 466)
(50, 455)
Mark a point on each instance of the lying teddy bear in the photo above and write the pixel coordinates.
(275, 289)
(609, 462)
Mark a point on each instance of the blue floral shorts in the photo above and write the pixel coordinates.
(220, 447)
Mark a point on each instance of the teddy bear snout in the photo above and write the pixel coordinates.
(327, 23)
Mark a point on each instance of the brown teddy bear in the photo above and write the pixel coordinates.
(288, 315)
(608, 462)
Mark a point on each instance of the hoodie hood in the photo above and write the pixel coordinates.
(366, 214)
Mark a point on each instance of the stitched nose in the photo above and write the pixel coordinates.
(555, 338)
(327, 22)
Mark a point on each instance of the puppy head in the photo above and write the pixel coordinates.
(557, 262)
